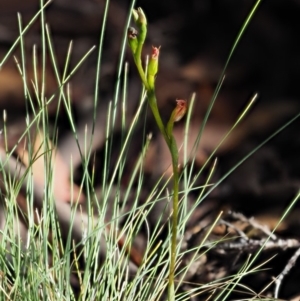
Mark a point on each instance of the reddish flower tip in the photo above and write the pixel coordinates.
(155, 52)
(180, 109)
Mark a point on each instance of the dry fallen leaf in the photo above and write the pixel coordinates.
(63, 190)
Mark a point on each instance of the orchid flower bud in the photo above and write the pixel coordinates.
(139, 16)
(141, 22)
(176, 115)
(153, 66)
(180, 109)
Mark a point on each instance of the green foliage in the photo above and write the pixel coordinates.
(35, 267)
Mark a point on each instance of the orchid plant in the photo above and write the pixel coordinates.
(136, 39)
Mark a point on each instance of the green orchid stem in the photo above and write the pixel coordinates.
(174, 153)
(139, 66)
(151, 98)
(171, 143)
(153, 105)
(170, 140)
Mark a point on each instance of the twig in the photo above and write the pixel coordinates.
(253, 223)
(291, 263)
(251, 244)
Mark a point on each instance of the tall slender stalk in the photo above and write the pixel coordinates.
(136, 40)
